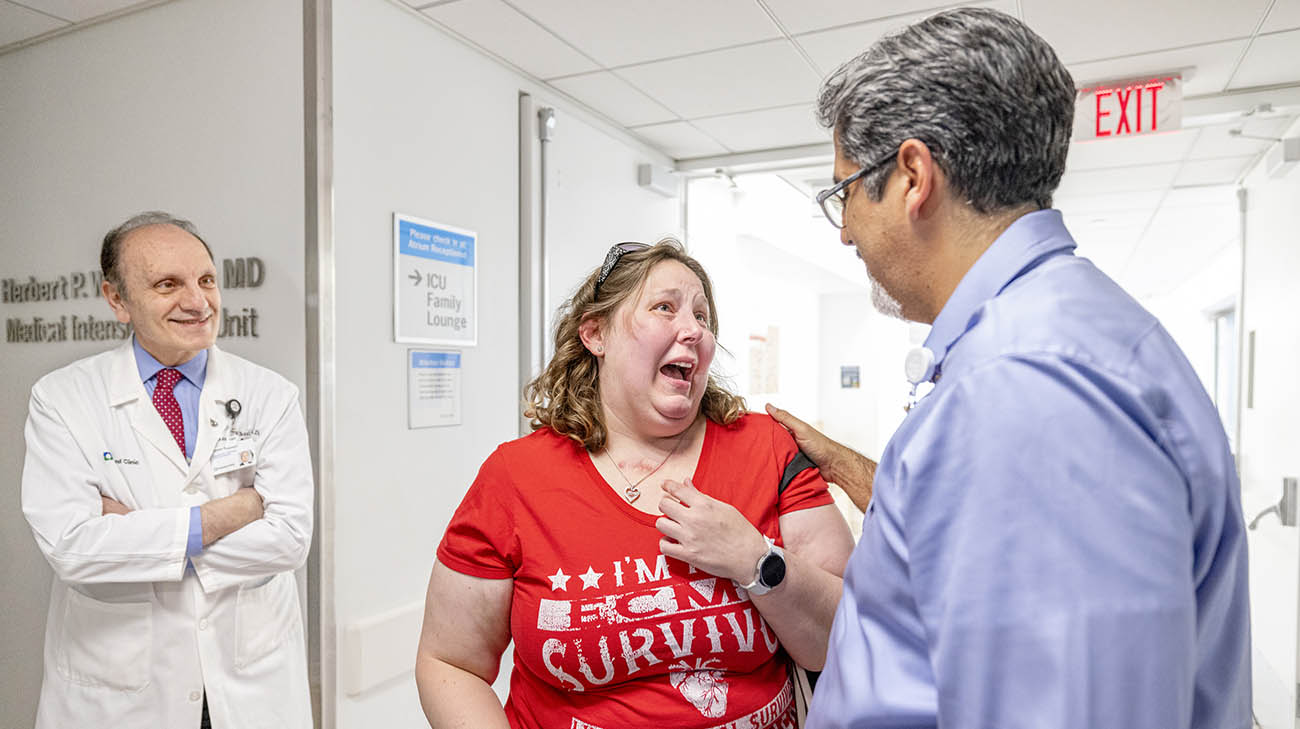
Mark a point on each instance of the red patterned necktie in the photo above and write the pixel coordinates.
(170, 410)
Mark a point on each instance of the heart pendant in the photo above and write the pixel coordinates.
(631, 493)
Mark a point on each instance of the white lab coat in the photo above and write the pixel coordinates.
(132, 639)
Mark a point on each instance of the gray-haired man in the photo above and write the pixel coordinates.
(1055, 537)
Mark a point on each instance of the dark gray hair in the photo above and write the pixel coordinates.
(111, 250)
(985, 93)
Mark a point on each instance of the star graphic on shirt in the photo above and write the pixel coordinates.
(591, 578)
(559, 581)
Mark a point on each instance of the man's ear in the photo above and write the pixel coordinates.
(592, 334)
(921, 173)
(113, 294)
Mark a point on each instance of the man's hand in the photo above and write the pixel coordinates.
(230, 513)
(838, 463)
(113, 507)
(709, 534)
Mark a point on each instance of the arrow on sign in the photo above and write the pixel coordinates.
(416, 277)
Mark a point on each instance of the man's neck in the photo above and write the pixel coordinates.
(963, 236)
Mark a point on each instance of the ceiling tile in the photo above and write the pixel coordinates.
(621, 32)
(1082, 202)
(19, 23)
(1103, 29)
(801, 16)
(784, 127)
(1129, 151)
(830, 48)
(760, 76)
(78, 10)
(607, 93)
(1212, 171)
(1200, 197)
(679, 140)
(1216, 141)
(1272, 59)
(1121, 179)
(504, 31)
(1285, 15)
(1206, 67)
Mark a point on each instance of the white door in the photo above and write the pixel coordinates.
(1269, 448)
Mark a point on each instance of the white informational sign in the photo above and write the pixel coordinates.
(1127, 108)
(434, 283)
(432, 388)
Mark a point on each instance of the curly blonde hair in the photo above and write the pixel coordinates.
(566, 396)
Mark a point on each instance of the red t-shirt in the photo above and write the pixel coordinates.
(608, 632)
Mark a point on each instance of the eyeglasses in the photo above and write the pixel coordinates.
(832, 199)
(616, 252)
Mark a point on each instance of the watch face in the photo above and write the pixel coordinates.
(772, 571)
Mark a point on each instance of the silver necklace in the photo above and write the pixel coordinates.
(632, 492)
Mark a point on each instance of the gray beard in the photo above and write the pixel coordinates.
(882, 301)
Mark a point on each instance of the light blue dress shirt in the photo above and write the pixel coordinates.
(1055, 537)
(187, 391)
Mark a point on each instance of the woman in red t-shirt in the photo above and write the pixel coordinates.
(654, 551)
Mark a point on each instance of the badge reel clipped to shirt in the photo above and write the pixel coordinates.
(919, 369)
(234, 450)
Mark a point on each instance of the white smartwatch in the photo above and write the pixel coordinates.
(769, 572)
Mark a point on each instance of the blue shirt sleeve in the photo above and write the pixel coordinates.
(195, 543)
(1050, 553)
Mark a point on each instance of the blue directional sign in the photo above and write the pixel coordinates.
(435, 275)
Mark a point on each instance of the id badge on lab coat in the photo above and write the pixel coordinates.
(234, 452)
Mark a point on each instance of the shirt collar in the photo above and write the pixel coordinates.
(194, 370)
(1023, 245)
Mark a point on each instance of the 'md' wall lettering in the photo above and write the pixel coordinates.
(49, 308)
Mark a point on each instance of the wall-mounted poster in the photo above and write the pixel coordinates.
(434, 283)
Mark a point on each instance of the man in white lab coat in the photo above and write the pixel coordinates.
(169, 485)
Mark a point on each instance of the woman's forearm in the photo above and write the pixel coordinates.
(454, 698)
(800, 610)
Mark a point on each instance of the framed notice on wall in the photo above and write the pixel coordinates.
(435, 277)
(432, 388)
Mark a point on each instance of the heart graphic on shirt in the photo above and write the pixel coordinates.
(702, 686)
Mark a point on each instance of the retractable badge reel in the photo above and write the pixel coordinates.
(918, 367)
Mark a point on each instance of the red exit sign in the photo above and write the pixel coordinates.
(1129, 108)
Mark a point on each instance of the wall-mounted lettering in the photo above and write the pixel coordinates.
(242, 273)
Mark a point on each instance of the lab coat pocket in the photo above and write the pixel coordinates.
(265, 615)
(106, 644)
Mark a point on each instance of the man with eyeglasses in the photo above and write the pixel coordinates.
(1055, 536)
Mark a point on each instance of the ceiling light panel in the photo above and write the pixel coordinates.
(760, 76)
(1108, 28)
(612, 96)
(505, 32)
(622, 32)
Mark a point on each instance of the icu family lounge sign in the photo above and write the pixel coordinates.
(435, 274)
(1129, 108)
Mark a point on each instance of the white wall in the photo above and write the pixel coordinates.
(193, 107)
(426, 126)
